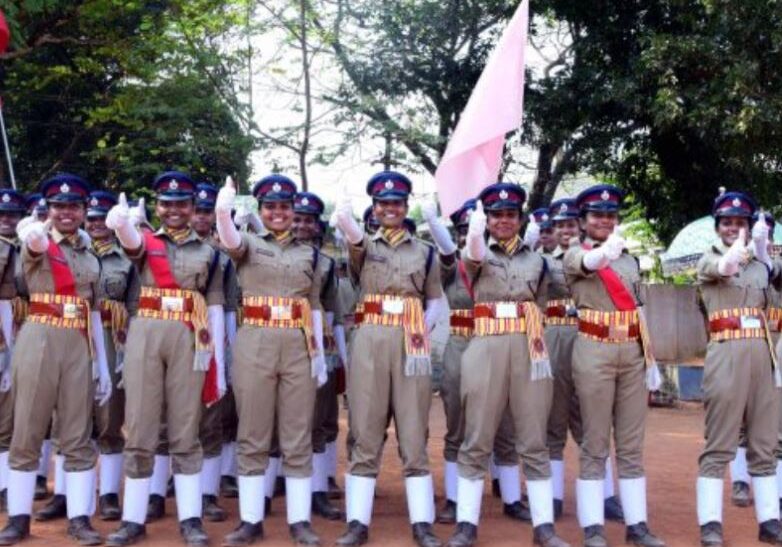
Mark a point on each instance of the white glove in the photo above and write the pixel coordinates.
(760, 235)
(614, 245)
(216, 319)
(476, 244)
(346, 222)
(342, 347)
(119, 220)
(226, 229)
(242, 216)
(532, 233)
(5, 379)
(728, 264)
(319, 368)
(7, 323)
(433, 312)
(35, 235)
(440, 234)
(596, 259)
(138, 215)
(103, 387)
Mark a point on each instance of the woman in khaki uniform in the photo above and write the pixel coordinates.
(120, 285)
(52, 363)
(278, 356)
(610, 366)
(390, 371)
(177, 333)
(739, 371)
(505, 363)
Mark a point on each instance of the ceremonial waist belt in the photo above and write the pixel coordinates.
(493, 318)
(737, 323)
(774, 316)
(609, 326)
(462, 323)
(279, 312)
(114, 316)
(400, 311)
(561, 312)
(67, 312)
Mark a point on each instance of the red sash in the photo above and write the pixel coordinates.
(465, 279)
(157, 258)
(62, 276)
(615, 288)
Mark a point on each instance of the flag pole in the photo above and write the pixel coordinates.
(6, 147)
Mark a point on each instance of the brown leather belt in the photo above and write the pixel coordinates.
(265, 313)
(62, 311)
(490, 312)
(156, 303)
(612, 332)
(730, 323)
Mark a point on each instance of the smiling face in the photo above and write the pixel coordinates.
(728, 229)
(175, 214)
(390, 213)
(8, 222)
(598, 225)
(277, 216)
(547, 240)
(203, 222)
(67, 217)
(96, 228)
(504, 225)
(565, 230)
(305, 227)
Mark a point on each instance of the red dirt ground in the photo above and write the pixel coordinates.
(673, 441)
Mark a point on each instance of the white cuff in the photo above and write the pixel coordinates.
(441, 237)
(129, 236)
(99, 345)
(216, 318)
(229, 235)
(475, 247)
(596, 259)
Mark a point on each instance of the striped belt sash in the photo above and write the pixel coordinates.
(737, 324)
(561, 312)
(61, 311)
(462, 323)
(609, 326)
(774, 316)
(278, 312)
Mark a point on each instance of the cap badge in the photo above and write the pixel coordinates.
(389, 185)
(173, 185)
(305, 201)
(202, 194)
(563, 208)
(736, 202)
(94, 202)
(503, 194)
(605, 196)
(64, 188)
(6, 198)
(42, 202)
(544, 218)
(276, 187)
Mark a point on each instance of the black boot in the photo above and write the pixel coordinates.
(267, 506)
(639, 534)
(170, 488)
(545, 536)
(57, 508)
(770, 531)
(711, 534)
(594, 536)
(740, 496)
(212, 511)
(244, 534)
(335, 492)
(356, 534)
(558, 508)
(80, 529)
(612, 509)
(465, 535)
(156, 509)
(108, 507)
(423, 535)
(303, 534)
(128, 533)
(228, 487)
(4, 500)
(279, 487)
(17, 529)
(41, 489)
(321, 506)
(447, 514)
(495, 488)
(517, 511)
(192, 532)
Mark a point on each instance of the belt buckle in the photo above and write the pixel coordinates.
(571, 311)
(172, 304)
(750, 322)
(71, 311)
(506, 310)
(618, 332)
(394, 307)
(281, 313)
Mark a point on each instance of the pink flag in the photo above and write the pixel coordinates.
(472, 160)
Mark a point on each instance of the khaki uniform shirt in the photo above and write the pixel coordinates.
(84, 265)
(455, 290)
(748, 288)
(191, 262)
(557, 288)
(120, 280)
(233, 294)
(379, 268)
(586, 286)
(9, 248)
(265, 268)
(520, 278)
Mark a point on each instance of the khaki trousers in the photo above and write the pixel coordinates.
(110, 417)
(326, 394)
(52, 372)
(160, 381)
(273, 378)
(211, 430)
(230, 419)
(565, 412)
(6, 419)
(609, 381)
(496, 375)
(377, 389)
(504, 441)
(738, 385)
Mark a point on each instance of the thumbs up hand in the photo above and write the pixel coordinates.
(614, 245)
(118, 216)
(226, 198)
(477, 225)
